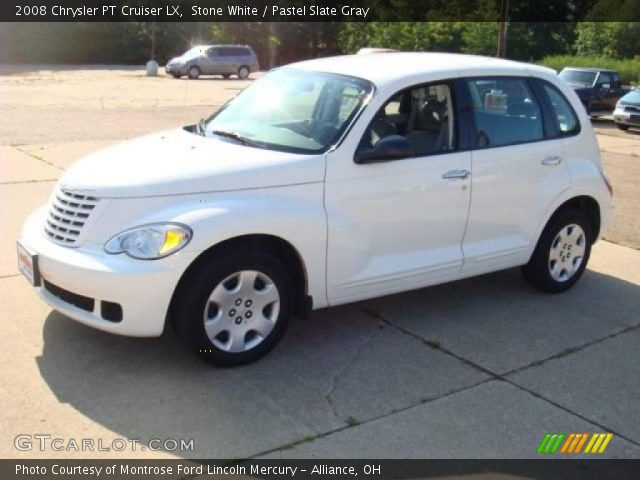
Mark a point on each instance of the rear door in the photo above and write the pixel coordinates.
(517, 172)
(230, 60)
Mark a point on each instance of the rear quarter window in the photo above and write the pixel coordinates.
(566, 119)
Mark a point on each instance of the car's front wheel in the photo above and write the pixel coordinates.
(622, 126)
(562, 252)
(233, 309)
(194, 73)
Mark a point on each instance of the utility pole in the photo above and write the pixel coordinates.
(152, 65)
(153, 40)
(502, 37)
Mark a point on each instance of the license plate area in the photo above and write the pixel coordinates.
(28, 265)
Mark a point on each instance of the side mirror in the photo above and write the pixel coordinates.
(393, 147)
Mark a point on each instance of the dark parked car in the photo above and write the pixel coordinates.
(627, 112)
(598, 89)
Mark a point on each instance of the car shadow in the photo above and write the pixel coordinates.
(211, 79)
(607, 125)
(16, 69)
(154, 388)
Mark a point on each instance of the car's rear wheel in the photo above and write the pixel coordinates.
(562, 252)
(194, 73)
(234, 309)
(243, 73)
(226, 76)
(622, 127)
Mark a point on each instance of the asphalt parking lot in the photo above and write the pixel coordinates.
(481, 368)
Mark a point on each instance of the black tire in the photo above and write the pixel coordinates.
(243, 72)
(622, 127)
(176, 75)
(193, 73)
(226, 76)
(192, 297)
(538, 271)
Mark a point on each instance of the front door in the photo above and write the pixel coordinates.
(397, 225)
(606, 95)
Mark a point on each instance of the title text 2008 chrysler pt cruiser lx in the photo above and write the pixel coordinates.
(324, 182)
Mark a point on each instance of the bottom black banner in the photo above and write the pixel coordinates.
(318, 469)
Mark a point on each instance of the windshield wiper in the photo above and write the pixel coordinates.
(239, 138)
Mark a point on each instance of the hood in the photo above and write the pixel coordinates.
(631, 98)
(178, 162)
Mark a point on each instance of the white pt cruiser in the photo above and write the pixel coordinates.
(325, 182)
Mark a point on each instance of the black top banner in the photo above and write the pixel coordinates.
(317, 10)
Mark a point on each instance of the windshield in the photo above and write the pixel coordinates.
(292, 110)
(631, 97)
(579, 77)
(192, 53)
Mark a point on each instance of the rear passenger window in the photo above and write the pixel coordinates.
(233, 52)
(505, 111)
(567, 122)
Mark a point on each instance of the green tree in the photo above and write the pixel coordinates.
(480, 38)
(608, 39)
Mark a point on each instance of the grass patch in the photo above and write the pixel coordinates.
(431, 343)
(352, 422)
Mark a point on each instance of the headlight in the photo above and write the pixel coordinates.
(150, 242)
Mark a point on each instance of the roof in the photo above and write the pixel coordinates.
(221, 45)
(591, 69)
(396, 65)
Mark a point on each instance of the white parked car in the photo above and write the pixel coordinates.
(325, 182)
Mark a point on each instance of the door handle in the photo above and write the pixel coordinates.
(455, 174)
(552, 160)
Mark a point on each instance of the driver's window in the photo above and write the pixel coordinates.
(615, 81)
(604, 80)
(422, 114)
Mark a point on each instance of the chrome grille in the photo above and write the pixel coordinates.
(632, 108)
(68, 214)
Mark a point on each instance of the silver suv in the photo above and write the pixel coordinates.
(225, 60)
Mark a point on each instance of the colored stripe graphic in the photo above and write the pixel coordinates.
(572, 443)
(568, 442)
(598, 443)
(581, 443)
(551, 442)
(556, 445)
(543, 443)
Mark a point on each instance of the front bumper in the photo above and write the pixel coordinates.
(142, 288)
(175, 69)
(624, 117)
